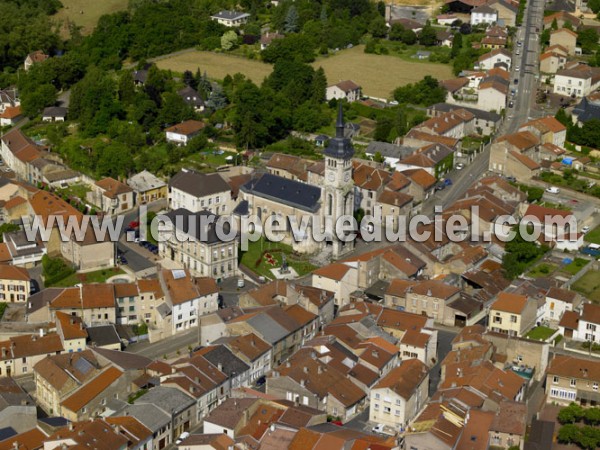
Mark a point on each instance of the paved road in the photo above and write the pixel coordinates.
(168, 346)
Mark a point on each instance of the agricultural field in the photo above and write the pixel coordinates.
(85, 13)
(365, 69)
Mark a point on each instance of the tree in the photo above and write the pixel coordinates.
(396, 32)
(592, 416)
(319, 86)
(377, 27)
(457, 43)
(594, 5)
(465, 28)
(291, 20)
(568, 434)
(519, 255)
(126, 88)
(295, 46)
(33, 102)
(323, 15)
(378, 157)
(425, 92)
(554, 25)
(8, 228)
(217, 99)
(562, 117)
(229, 40)
(571, 414)
(383, 129)
(588, 40)
(174, 109)
(428, 35)
(189, 80)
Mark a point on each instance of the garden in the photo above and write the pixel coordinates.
(579, 426)
(540, 333)
(588, 285)
(263, 255)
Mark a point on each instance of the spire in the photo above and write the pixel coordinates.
(339, 124)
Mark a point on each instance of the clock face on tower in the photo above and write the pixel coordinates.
(331, 176)
(347, 177)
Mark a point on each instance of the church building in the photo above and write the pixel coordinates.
(272, 195)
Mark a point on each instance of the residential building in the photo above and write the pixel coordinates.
(15, 284)
(565, 37)
(507, 11)
(486, 122)
(562, 18)
(583, 325)
(558, 301)
(254, 351)
(147, 187)
(94, 303)
(430, 298)
(17, 410)
(551, 62)
(489, 60)
(54, 114)
(153, 418)
(577, 82)
(193, 243)
(188, 298)
(588, 108)
(10, 116)
(33, 58)
(230, 18)
(346, 90)
(341, 279)
(197, 192)
(509, 425)
(512, 314)
(571, 379)
(492, 95)
(436, 159)
(192, 98)
(267, 38)
(548, 130)
(138, 302)
(19, 354)
(111, 196)
(484, 14)
(73, 334)
(398, 397)
(184, 132)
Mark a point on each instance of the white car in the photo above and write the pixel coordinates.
(183, 436)
(378, 428)
(241, 283)
(553, 190)
(585, 229)
(460, 166)
(517, 68)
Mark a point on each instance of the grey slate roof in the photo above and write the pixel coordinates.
(124, 360)
(191, 96)
(268, 328)
(197, 224)
(289, 192)
(230, 15)
(242, 208)
(103, 335)
(390, 150)
(231, 364)
(54, 111)
(199, 184)
(145, 181)
(586, 110)
(42, 298)
(149, 415)
(170, 400)
(339, 146)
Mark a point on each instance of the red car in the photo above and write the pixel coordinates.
(134, 224)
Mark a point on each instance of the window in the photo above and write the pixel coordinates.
(377, 396)
(595, 386)
(513, 319)
(563, 394)
(573, 382)
(376, 405)
(398, 402)
(397, 413)
(387, 410)
(555, 379)
(591, 327)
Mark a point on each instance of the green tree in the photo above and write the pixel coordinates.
(396, 31)
(554, 25)
(428, 36)
(217, 99)
(571, 414)
(457, 43)
(319, 85)
(568, 434)
(377, 27)
(33, 102)
(562, 116)
(378, 157)
(594, 5)
(588, 40)
(592, 416)
(229, 40)
(425, 92)
(383, 129)
(174, 109)
(295, 46)
(126, 88)
(519, 255)
(8, 228)
(291, 20)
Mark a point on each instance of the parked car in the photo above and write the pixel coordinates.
(591, 250)
(183, 436)
(262, 380)
(460, 166)
(553, 190)
(585, 229)
(241, 283)
(440, 187)
(448, 182)
(378, 428)
(511, 179)
(511, 104)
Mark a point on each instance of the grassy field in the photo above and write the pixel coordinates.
(542, 270)
(99, 276)
(363, 68)
(217, 65)
(588, 285)
(92, 11)
(574, 267)
(540, 333)
(593, 236)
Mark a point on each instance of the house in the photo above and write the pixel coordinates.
(339, 278)
(17, 151)
(571, 379)
(579, 81)
(111, 196)
(509, 425)
(54, 114)
(147, 187)
(444, 38)
(398, 397)
(556, 225)
(489, 60)
(583, 325)
(347, 90)
(565, 37)
(192, 98)
(548, 130)
(196, 192)
(430, 298)
(72, 332)
(153, 418)
(507, 11)
(15, 284)
(139, 301)
(391, 153)
(512, 314)
(485, 122)
(20, 251)
(9, 98)
(267, 38)
(512, 154)
(317, 385)
(205, 253)
(456, 124)
(456, 89)
(446, 19)
(230, 18)
(558, 301)
(188, 298)
(484, 14)
(254, 351)
(184, 132)
(562, 18)
(34, 58)
(10, 116)
(436, 159)
(407, 24)
(551, 62)
(492, 95)
(19, 354)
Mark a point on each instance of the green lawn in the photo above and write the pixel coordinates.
(76, 190)
(99, 276)
(593, 236)
(251, 257)
(542, 270)
(575, 266)
(540, 333)
(589, 286)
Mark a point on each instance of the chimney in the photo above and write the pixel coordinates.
(375, 354)
(41, 332)
(305, 369)
(196, 380)
(272, 427)
(313, 355)
(3, 352)
(428, 292)
(70, 426)
(302, 383)
(320, 370)
(220, 367)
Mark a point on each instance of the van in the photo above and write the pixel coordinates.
(241, 283)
